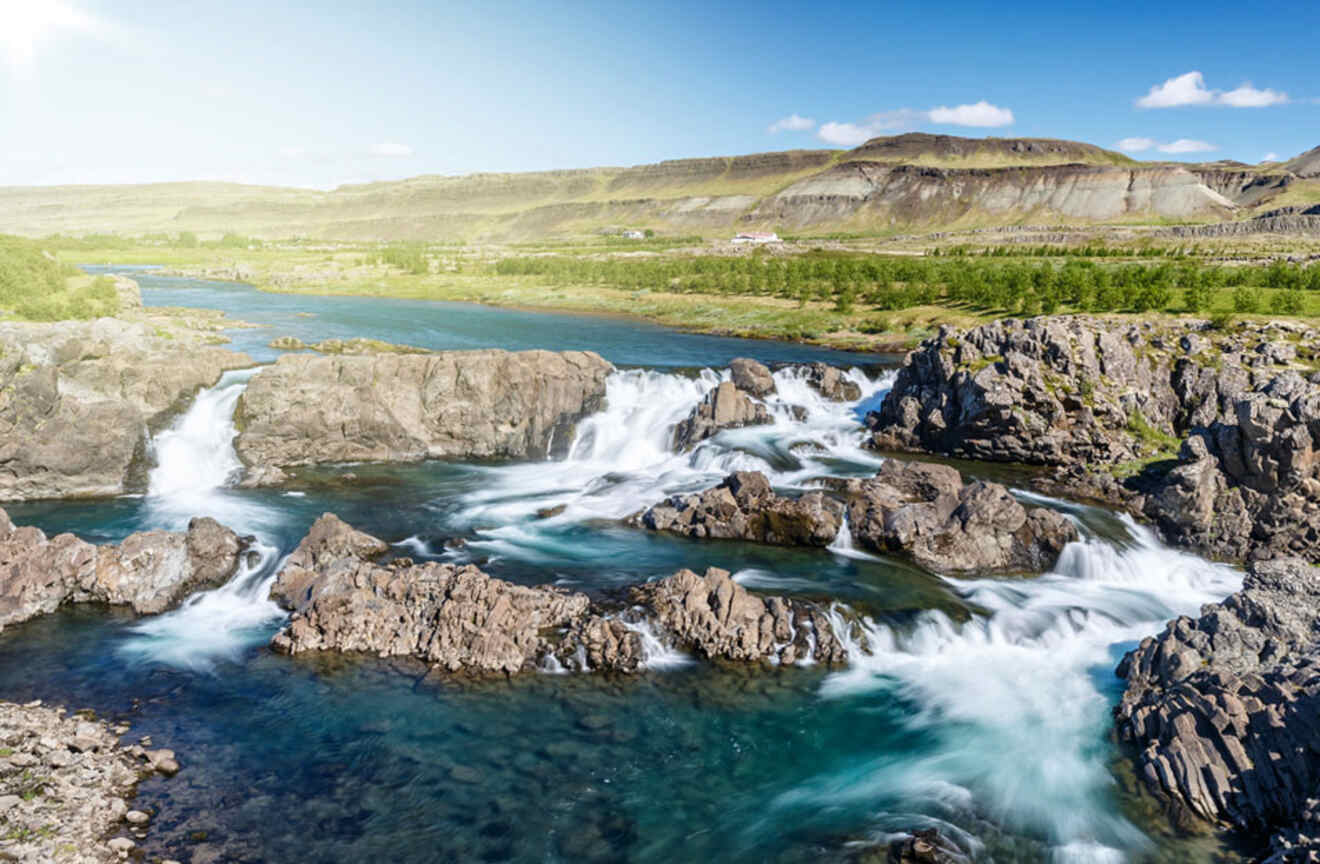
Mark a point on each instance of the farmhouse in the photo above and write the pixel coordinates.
(756, 237)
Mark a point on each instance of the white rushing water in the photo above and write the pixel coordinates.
(1014, 697)
(195, 465)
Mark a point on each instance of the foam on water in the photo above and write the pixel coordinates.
(1015, 696)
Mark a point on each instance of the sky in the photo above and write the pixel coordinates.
(323, 94)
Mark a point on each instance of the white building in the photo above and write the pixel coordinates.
(756, 237)
(634, 235)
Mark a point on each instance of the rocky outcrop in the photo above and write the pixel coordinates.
(831, 383)
(1223, 709)
(948, 526)
(745, 507)
(1248, 483)
(405, 407)
(151, 571)
(714, 616)
(344, 597)
(751, 377)
(725, 407)
(66, 787)
(78, 398)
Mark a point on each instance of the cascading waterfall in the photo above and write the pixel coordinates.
(195, 462)
(1015, 697)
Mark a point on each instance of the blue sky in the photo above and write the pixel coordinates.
(318, 94)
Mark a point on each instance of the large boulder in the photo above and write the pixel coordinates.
(151, 571)
(831, 383)
(948, 526)
(309, 409)
(1222, 710)
(752, 377)
(78, 400)
(725, 407)
(744, 507)
(717, 618)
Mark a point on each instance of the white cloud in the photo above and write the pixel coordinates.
(1186, 89)
(293, 152)
(1271, 157)
(391, 150)
(1136, 145)
(981, 114)
(25, 23)
(1247, 96)
(792, 123)
(1190, 89)
(1187, 145)
(906, 119)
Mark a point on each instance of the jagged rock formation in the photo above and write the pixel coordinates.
(948, 526)
(1238, 410)
(744, 507)
(725, 407)
(719, 619)
(151, 571)
(460, 619)
(406, 407)
(77, 400)
(66, 786)
(1223, 709)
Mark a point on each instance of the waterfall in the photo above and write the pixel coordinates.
(1024, 688)
(195, 463)
(843, 543)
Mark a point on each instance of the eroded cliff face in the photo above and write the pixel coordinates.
(78, 398)
(914, 195)
(306, 410)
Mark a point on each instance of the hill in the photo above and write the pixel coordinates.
(899, 183)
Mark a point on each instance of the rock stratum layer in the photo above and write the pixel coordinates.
(1216, 428)
(306, 410)
(151, 571)
(458, 619)
(1224, 709)
(914, 180)
(78, 399)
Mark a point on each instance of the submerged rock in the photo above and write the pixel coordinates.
(151, 571)
(926, 511)
(78, 398)
(745, 507)
(725, 407)
(1223, 709)
(308, 409)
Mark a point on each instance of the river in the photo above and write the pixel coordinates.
(982, 706)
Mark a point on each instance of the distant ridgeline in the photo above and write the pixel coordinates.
(904, 182)
(36, 287)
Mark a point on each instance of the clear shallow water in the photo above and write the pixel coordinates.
(978, 705)
(454, 326)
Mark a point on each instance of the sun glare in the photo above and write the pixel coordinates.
(25, 24)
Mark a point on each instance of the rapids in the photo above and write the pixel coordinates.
(981, 706)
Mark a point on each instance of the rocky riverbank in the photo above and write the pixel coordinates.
(66, 786)
(1223, 709)
(78, 399)
(305, 409)
(1208, 433)
(459, 619)
(150, 571)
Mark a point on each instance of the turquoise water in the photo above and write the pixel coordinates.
(460, 326)
(980, 706)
